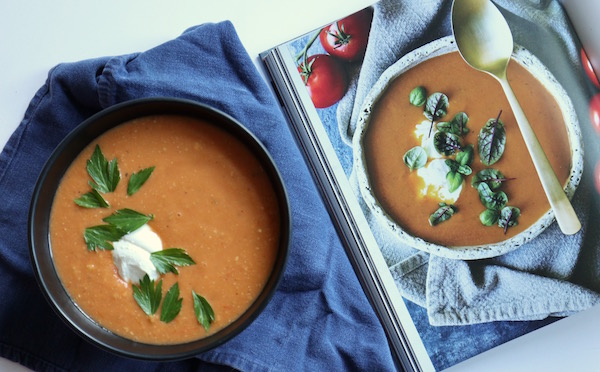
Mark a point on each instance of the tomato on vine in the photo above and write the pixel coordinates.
(589, 70)
(347, 38)
(325, 79)
(595, 112)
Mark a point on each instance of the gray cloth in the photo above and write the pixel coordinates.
(553, 275)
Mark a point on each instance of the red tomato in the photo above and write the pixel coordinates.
(347, 38)
(325, 78)
(595, 112)
(589, 70)
(597, 176)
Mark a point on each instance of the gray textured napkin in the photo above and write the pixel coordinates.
(553, 275)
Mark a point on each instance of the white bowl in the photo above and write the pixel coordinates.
(436, 48)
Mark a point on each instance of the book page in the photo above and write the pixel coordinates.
(464, 297)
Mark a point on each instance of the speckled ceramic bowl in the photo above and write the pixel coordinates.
(431, 50)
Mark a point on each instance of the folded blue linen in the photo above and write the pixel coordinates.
(319, 318)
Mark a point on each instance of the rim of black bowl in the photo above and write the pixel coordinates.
(41, 204)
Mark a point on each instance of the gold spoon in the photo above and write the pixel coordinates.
(485, 42)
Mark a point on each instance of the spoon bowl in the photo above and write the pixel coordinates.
(485, 42)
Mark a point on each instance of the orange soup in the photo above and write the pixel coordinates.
(208, 195)
(390, 134)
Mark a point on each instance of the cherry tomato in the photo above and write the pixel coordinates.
(597, 176)
(595, 112)
(325, 78)
(347, 38)
(589, 70)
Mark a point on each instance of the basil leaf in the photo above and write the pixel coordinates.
(415, 158)
(491, 199)
(127, 220)
(489, 217)
(456, 167)
(92, 199)
(148, 295)
(458, 125)
(443, 213)
(436, 106)
(465, 155)
(446, 143)
(105, 174)
(417, 96)
(492, 177)
(455, 180)
(171, 305)
(165, 260)
(491, 141)
(138, 179)
(204, 312)
(509, 217)
(101, 236)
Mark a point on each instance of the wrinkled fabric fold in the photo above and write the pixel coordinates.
(318, 319)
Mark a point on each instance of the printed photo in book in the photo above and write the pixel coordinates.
(446, 200)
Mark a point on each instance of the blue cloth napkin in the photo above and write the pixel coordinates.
(319, 318)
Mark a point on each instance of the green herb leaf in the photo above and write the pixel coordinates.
(465, 155)
(489, 217)
(105, 174)
(138, 179)
(455, 180)
(436, 106)
(127, 220)
(446, 143)
(458, 125)
(509, 217)
(204, 312)
(101, 236)
(148, 295)
(493, 177)
(92, 199)
(491, 141)
(165, 260)
(171, 305)
(418, 96)
(443, 213)
(415, 158)
(491, 199)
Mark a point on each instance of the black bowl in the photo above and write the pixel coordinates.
(41, 204)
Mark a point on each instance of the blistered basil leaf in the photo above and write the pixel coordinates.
(415, 158)
(491, 176)
(446, 143)
(436, 106)
(509, 217)
(491, 199)
(418, 96)
(491, 141)
(489, 217)
(443, 213)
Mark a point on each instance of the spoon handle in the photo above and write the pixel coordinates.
(563, 210)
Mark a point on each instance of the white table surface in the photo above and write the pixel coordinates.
(35, 35)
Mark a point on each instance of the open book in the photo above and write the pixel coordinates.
(449, 232)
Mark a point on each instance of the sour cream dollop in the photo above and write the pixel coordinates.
(436, 184)
(131, 254)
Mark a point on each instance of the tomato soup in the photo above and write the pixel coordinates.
(390, 134)
(208, 194)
